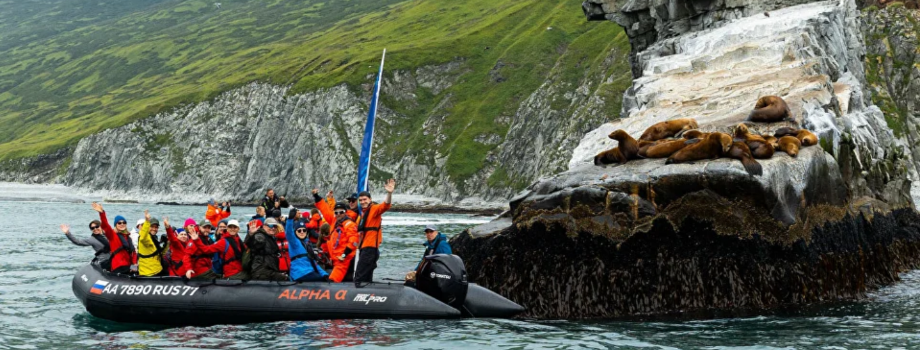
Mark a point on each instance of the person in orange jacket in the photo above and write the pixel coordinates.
(353, 210)
(217, 213)
(341, 243)
(370, 234)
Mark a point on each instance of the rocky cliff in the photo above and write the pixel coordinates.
(648, 238)
(260, 136)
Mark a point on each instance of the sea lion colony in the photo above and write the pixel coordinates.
(680, 140)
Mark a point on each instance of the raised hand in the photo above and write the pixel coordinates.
(330, 194)
(193, 233)
(166, 221)
(147, 215)
(253, 226)
(390, 185)
(97, 207)
(315, 191)
(65, 228)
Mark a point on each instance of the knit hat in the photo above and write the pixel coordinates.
(189, 222)
(120, 218)
(227, 222)
(298, 225)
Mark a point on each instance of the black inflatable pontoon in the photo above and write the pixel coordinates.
(176, 301)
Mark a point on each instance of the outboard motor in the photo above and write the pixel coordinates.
(443, 277)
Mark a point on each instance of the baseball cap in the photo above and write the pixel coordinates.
(233, 223)
(271, 222)
(431, 228)
(140, 222)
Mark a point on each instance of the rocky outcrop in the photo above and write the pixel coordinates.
(648, 238)
(39, 169)
(649, 21)
(893, 74)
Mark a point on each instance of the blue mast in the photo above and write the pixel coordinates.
(364, 162)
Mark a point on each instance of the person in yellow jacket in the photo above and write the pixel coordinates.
(148, 256)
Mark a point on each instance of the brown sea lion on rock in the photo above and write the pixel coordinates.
(790, 145)
(645, 145)
(740, 151)
(665, 149)
(628, 145)
(712, 147)
(694, 134)
(760, 148)
(807, 138)
(668, 128)
(771, 109)
(610, 156)
(771, 140)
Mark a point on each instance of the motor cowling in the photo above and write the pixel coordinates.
(443, 277)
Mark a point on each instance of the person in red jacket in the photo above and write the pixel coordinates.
(124, 254)
(199, 263)
(230, 248)
(178, 258)
(341, 243)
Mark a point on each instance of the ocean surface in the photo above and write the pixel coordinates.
(39, 311)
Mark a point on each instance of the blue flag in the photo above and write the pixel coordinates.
(364, 162)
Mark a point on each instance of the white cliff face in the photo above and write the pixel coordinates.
(810, 54)
(259, 136)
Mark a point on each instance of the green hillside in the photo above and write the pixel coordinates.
(71, 68)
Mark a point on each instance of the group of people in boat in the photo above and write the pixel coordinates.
(334, 241)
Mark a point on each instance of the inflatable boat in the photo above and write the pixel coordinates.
(442, 292)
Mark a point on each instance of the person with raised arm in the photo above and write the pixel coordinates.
(124, 255)
(148, 249)
(342, 238)
(370, 232)
(304, 266)
(96, 240)
(230, 248)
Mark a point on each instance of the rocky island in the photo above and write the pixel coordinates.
(645, 238)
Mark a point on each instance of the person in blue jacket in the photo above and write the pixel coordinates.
(304, 267)
(436, 243)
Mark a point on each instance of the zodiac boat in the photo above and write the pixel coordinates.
(442, 292)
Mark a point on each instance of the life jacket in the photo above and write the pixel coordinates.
(369, 226)
(284, 256)
(305, 273)
(106, 249)
(126, 246)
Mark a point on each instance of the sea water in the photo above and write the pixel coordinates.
(39, 311)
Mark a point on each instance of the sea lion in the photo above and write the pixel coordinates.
(790, 145)
(665, 149)
(771, 109)
(807, 138)
(712, 147)
(740, 151)
(760, 148)
(771, 140)
(629, 148)
(694, 134)
(668, 128)
(786, 131)
(610, 156)
(645, 145)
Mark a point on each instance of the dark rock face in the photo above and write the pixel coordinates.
(688, 268)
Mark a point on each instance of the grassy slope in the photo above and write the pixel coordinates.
(106, 68)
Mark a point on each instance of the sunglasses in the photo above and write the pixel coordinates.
(121, 223)
(337, 212)
(93, 227)
(301, 230)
